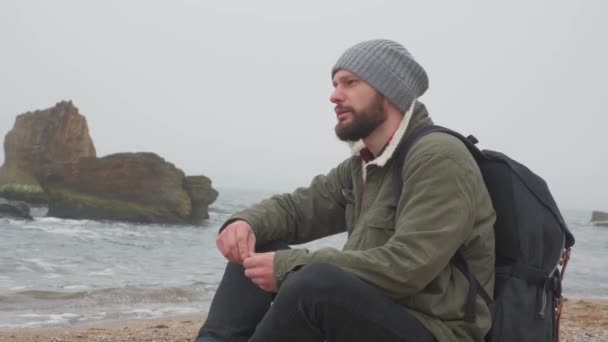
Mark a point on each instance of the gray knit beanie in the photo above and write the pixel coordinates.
(389, 68)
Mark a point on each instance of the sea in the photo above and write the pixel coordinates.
(56, 272)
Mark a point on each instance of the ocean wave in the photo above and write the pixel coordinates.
(77, 287)
(49, 319)
(160, 312)
(224, 209)
(30, 320)
(45, 295)
(66, 222)
(108, 272)
(147, 295)
(72, 230)
(51, 276)
(123, 295)
(55, 318)
(40, 264)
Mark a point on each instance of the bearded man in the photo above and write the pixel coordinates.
(394, 279)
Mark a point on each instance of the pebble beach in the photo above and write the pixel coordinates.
(582, 320)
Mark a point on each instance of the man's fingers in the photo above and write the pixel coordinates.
(233, 248)
(226, 243)
(236, 242)
(251, 243)
(258, 269)
(257, 279)
(262, 283)
(250, 262)
(252, 273)
(242, 241)
(220, 245)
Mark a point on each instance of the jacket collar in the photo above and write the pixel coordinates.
(417, 115)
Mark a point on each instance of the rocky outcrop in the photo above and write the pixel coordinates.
(139, 187)
(50, 158)
(201, 196)
(39, 139)
(599, 218)
(18, 210)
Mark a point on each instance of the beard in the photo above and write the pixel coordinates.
(363, 122)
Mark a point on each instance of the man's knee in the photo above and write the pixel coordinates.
(315, 280)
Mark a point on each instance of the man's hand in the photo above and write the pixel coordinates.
(236, 241)
(260, 269)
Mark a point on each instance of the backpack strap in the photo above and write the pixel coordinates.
(474, 288)
(404, 148)
(457, 260)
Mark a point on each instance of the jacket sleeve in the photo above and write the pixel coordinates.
(433, 218)
(304, 215)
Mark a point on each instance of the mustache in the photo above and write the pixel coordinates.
(341, 108)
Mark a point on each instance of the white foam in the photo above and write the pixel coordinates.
(18, 288)
(23, 268)
(51, 276)
(105, 273)
(179, 310)
(77, 287)
(63, 221)
(49, 319)
(45, 265)
(142, 313)
(61, 228)
(121, 231)
(95, 316)
(161, 312)
(53, 316)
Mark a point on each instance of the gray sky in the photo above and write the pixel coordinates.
(239, 90)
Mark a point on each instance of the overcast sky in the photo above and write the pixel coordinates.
(239, 90)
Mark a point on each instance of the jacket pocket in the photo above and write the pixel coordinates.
(380, 226)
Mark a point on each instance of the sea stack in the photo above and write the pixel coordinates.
(56, 135)
(51, 159)
(599, 218)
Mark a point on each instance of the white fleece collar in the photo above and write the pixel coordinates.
(384, 157)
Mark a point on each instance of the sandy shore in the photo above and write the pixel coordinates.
(179, 328)
(583, 320)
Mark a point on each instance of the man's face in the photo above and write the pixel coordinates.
(359, 107)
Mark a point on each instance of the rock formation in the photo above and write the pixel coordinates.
(18, 210)
(201, 196)
(50, 158)
(599, 218)
(139, 187)
(40, 138)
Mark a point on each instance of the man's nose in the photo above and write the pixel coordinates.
(337, 96)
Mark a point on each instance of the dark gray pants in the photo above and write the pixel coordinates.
(319, 302)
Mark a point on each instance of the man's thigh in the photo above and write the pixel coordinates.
(322, 301)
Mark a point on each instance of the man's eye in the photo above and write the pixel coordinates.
(351, 82)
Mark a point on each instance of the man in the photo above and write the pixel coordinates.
(394, 279)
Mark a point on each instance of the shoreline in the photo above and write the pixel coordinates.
(172, 328)
(583, 319)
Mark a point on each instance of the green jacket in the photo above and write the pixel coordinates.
(403, 247)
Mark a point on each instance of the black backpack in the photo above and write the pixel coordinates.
(532, 242)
